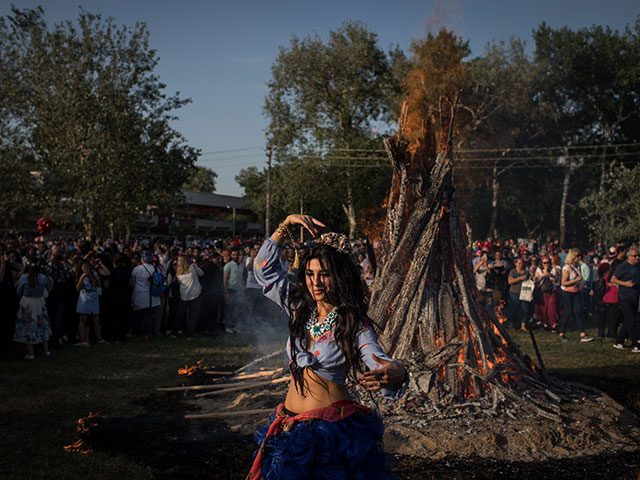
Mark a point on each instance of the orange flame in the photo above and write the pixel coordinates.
(188, 371)
(83, 426)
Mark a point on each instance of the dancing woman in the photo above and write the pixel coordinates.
(319, 432)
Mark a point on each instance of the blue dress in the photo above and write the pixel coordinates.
(88, 299)
(32, 321)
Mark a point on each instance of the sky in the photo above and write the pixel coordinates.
(219, 53)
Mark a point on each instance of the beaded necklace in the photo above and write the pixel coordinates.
(317, 328)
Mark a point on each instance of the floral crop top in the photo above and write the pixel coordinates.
(323, 356)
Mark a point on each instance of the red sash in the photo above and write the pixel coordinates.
(284, 422)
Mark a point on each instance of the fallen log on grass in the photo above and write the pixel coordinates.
(265, 373)
(244, 387)
(264, 358)
(239, 413)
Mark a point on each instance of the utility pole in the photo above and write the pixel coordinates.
(301, 227)
(267, 222)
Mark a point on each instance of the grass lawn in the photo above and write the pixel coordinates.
(42, 399)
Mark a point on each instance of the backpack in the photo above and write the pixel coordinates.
(158, 285)
(611, 292)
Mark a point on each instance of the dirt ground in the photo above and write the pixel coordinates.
(596, 439)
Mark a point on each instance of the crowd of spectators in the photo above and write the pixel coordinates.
(75, 292)
(57, 292)
(527, 282)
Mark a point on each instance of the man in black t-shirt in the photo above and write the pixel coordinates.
(627, 278)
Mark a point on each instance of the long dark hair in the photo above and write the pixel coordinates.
(33, 270)
(346, 292)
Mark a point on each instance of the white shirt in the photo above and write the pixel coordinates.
(190, 287)
(140, 278)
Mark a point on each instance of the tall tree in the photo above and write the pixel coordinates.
(587, 90)
(496, 103)
(201, 179)
(327, 96)
(613, 212)
(95, 117)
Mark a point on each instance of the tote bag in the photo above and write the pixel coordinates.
(526, 290)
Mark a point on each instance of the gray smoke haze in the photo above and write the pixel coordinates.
(444, 13)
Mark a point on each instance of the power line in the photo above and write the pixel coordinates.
(481, 150)
(549, 157)
(232, 150)
(478, 150)
(212, 160)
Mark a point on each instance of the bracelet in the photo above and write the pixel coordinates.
(283, 231)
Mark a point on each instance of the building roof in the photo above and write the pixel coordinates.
(215, 200)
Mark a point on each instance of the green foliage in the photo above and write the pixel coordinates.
(330, 96)
(202, 179)
(613, 214)
(93, 115)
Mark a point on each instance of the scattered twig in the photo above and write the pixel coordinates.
(217, 372)
(553, 395)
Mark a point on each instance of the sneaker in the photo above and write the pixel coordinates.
(47, 353)
(563, 339)
(619, 346)
(81, 344)
(635, 350)
(29, 357)
(103, 342)
(586, 338)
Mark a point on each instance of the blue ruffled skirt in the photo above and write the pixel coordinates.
(318, 449)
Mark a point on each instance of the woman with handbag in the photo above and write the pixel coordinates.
(518, 311)
(570, 296)
(546, 279)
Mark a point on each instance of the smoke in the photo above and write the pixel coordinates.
(258, 319)
(445, 14)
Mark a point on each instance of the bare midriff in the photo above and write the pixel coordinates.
(318, 393)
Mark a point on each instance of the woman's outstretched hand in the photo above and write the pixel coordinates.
(307, 221)
(391, 373)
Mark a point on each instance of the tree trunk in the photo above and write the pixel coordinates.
(603, 170)
(424, 299)
(87, 223)
(495, 190)
(565, 193)
(350, 212)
